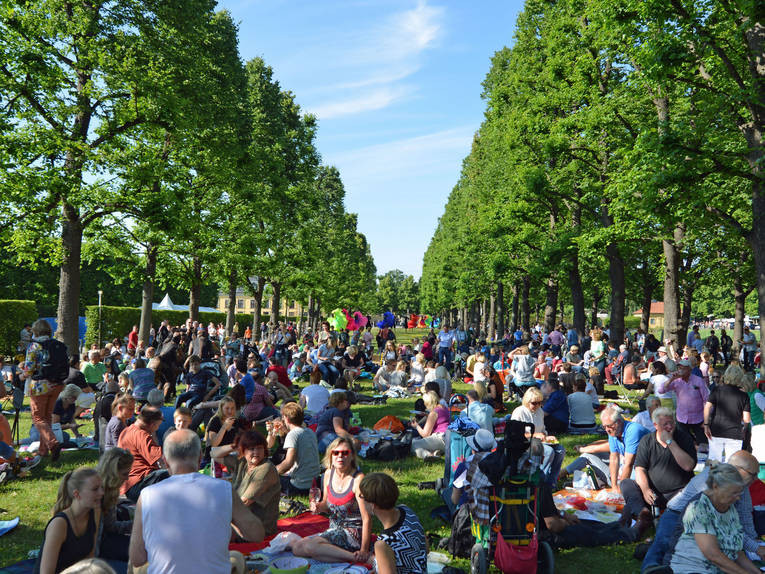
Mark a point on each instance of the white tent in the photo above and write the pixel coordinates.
(168, 305)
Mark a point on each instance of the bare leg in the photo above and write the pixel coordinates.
(320, 549)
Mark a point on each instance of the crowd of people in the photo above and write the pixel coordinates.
(266, 412)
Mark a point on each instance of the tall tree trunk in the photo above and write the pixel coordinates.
(754, 134)
(484, 316)
(67, 319)
(464, 317)
(525, 305)
(672, 286)
(257, 284)
(596, 298)
(231, 310)
(551, 303)
(739, 297)
(577, 293)
(501, 308)
(196, 289)
(147, 293)
(649, 286)
(276, 301)
(685, 315)
(310, 310)
(616, 278)
(515, 308)
(492, 333)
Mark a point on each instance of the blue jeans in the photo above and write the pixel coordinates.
(329, 372)
(6, 451)
(445, 356)
(191, 398)
(326, 440)
(749, 360)
(552, 463)
(668, 530)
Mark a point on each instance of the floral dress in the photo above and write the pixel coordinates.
(344, 517)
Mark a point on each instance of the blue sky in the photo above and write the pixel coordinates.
(396, 86)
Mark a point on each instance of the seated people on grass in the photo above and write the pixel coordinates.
(139, 439)
(260, 406)
(664, 464)
(349, 535)
(197, 381)
(114, 468)
(621, 448)
(71, 534)
(334, 421)
(314, 397)
(563, 530)
(274, 366)
(580, 408)
(521, 371)
(141, 381)
(531, 412)
(555, 407)
(401, 546)
(202, 509)
(478, 412)
(644, 417)
(431, 434)
(301, 461)
(382, 378)
(352, 363)
(713, 539)
(254, 476)
(64, 411)
(276, 390)
(670, 525)
(123, 409)
(156, 399)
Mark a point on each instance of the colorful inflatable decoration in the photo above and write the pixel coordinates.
(413, 321)
(337, 319)
(350, 322)
(388, 320)
(436, 323)
(361, 319)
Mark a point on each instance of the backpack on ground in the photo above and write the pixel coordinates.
(54, 361)
(461, 540)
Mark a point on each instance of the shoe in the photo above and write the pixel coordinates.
(644, 522)
(55, 453)
(3, 476)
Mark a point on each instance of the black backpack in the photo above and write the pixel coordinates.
(54, 361)
(461, 539)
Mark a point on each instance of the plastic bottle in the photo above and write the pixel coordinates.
(314, 495)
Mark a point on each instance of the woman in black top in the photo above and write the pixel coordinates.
(70, 536)
(726, 414)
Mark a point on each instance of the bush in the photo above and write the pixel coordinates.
(116, 322)
(13, 315)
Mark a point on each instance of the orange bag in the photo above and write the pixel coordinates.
(390, 423)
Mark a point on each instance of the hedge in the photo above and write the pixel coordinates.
(118, 321)
(13, 316)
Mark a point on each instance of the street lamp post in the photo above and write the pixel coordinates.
(100, 292)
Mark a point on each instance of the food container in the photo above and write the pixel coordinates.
(289, 565)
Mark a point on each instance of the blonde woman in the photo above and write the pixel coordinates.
(531, 411)
(70, 535)
(417, 370)
(598, 351)
(431, 441)
(114, 468)
(726, 414)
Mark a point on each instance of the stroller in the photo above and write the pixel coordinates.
(510, 537)
(515, 518)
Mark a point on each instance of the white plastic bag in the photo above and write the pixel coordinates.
(583, 480)
(282, 542)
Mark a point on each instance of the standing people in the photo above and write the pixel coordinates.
(726, 415)
(749, 344)
(446, 343)
(725, 346)
(47, 366)
(713, 346)
(691, 395)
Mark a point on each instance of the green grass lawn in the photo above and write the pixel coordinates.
(33, 497)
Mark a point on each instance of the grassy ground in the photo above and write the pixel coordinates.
(32, 498)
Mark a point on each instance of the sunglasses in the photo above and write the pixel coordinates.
(341, 453)
(536, 402)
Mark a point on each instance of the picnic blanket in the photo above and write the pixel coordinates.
(304, 524)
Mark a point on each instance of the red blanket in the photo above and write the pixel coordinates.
(304, 524)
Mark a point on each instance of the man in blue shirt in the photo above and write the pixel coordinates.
(623, 439)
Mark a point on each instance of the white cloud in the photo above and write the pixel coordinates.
(377, 60)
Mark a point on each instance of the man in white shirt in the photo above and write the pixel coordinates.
(183, 524)
(644, 417)
(446, 342)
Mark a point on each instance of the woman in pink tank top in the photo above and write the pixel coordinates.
(431, 441)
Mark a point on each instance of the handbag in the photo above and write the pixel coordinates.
(514, 558)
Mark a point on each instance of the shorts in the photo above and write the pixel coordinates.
(342, 538)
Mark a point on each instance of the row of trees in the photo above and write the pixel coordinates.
(621, 158)
(133, 136)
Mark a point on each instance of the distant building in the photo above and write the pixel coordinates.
(656, 315)
(245, 303)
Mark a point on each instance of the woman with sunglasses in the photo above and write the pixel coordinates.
(350, 524)
(531, 411)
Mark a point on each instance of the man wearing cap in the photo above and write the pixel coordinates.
(664, 358)
(691, 394)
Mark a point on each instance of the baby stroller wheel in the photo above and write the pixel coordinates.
(478, 561)
(545, 559)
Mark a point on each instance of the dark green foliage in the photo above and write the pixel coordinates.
(13, 316)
